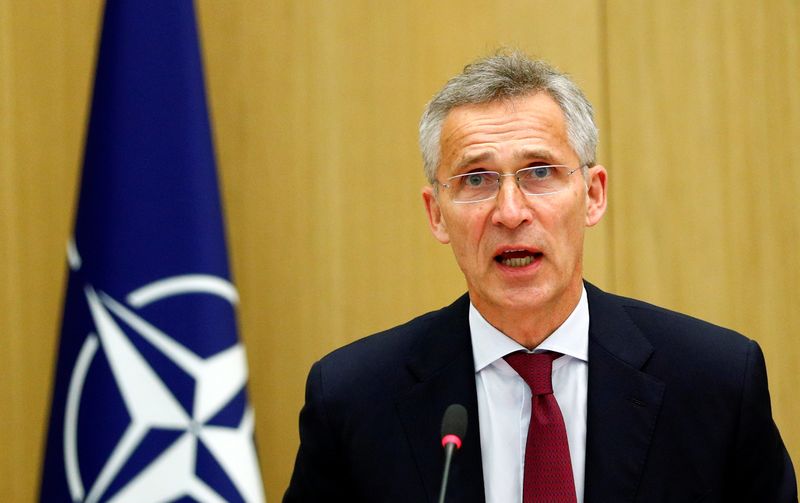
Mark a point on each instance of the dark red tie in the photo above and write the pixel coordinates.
(548, 470)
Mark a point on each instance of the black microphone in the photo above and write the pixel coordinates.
(454, 426)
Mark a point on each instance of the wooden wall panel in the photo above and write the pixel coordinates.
(46, 61)
(705, 117)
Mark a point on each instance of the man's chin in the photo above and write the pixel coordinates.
(515, 298)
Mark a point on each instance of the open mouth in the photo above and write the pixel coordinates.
(517, 258)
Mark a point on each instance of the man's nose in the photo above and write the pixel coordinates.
(512, 207)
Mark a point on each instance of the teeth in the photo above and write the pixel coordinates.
(518, 262)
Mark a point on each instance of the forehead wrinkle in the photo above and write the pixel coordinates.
(472, 133)
(485, 132)
(499, 129)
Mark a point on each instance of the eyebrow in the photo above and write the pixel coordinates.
(526, 154)
(470, 159)
(536, 153)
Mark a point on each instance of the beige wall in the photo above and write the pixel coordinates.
(315, 105)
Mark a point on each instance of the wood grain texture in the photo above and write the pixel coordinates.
(315, 107)
(705, 118)
(46, 61)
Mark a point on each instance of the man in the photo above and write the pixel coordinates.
(572, 394)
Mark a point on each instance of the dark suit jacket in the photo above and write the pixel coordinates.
(678, 411)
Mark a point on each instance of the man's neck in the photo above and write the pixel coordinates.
(531, 325)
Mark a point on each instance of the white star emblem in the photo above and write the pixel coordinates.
(151, 404)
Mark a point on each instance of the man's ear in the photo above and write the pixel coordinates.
(596, 184)
(435, 218)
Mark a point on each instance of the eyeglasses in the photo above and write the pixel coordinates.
(480, 186)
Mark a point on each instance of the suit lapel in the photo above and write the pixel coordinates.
(444, 370)
(623, 402)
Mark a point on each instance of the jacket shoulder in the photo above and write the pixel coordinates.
(677, 330)
(380, 359)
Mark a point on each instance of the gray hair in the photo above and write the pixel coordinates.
(505, 76)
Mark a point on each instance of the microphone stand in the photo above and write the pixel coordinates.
(448, 456)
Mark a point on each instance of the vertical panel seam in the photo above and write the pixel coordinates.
(11, 295)
(605, 97)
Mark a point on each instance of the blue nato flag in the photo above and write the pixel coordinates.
(149, 397)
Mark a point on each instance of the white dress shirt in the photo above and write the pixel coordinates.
(504, 400)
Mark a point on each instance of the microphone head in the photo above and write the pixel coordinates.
(454, 421)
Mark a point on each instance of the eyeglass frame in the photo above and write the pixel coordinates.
(515, 174)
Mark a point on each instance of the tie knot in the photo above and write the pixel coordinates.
(535, 368)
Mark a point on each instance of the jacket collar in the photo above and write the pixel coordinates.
(443, 367)
(623, 401)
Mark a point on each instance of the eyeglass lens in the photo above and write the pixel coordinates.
(535, 180)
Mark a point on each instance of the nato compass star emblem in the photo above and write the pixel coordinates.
(152, 406)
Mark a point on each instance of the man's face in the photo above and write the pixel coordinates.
(546, 231)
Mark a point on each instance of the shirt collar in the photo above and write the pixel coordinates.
(571, 338)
